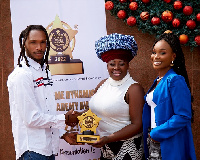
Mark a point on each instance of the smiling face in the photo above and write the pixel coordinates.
(35, 45)
(162, 56)
(117, 69)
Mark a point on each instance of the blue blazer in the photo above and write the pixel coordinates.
(172, 117)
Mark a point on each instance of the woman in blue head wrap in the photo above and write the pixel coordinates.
(118, 101)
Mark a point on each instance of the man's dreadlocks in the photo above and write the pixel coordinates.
(22, 39)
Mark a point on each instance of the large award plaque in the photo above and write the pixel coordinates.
(88, 123)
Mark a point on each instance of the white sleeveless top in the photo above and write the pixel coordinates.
(108, 103)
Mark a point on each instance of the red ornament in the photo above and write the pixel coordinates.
(109, 5)
(167, 1)
(191, 24)
(198, 17)
(121, 14)
(133, 6)
(145, 1)
(183, 39)
(178, 5)
(155, 20)
(167, 16)
(176, 22)
(197, 40)
(122, 1)
(144, 16)
(131, 21)
(131, 0)
(187, 10)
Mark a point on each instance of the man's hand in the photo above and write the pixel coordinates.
(71, 138)
(71, 118)
(101, 142)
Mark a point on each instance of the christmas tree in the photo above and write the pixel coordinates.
(159, 16)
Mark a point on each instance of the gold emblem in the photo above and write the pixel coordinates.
(59, 40)
(88, 123)
(62, 44)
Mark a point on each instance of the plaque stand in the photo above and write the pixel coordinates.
(63, 65)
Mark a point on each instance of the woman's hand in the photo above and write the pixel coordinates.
(153, 139)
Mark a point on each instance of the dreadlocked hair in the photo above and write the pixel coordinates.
(22, 39)
(179, 62)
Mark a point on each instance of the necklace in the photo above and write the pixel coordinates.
(158, 79)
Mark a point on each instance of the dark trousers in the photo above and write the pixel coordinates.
(30, 155)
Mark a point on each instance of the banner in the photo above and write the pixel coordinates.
(73, 27)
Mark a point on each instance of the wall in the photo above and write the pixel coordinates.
(141, 70)
(6, 66)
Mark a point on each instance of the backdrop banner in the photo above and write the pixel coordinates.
(73, 27)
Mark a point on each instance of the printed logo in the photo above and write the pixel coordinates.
(59, 40)
(42, 82)
(38, 82)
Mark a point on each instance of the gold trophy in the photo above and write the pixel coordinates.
(88, 123)
(62, 43)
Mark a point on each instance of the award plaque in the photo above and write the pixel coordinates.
(62, 44)
(88, 123)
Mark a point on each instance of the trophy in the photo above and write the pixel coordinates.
(62, 43)
(88, 123)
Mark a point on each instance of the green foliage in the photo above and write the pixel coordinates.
(156, 8)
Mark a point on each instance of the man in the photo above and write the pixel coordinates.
(32, 103)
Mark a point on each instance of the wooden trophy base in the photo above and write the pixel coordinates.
(75, 66)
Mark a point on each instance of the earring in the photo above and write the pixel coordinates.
(172, 64)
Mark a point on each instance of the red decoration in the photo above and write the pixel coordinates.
(197, 40)
(167, 16)
(145, 1)
(131, 21)
(144, 16)
(121, 14)
(183, 39)
(178, 5)
(109, 5)
(155, 20)
(131, 0)
(187, 10)
(167, 1)
(133, 6)
(122, 1)
(191, 24)
(176, 22)
(198, 17)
